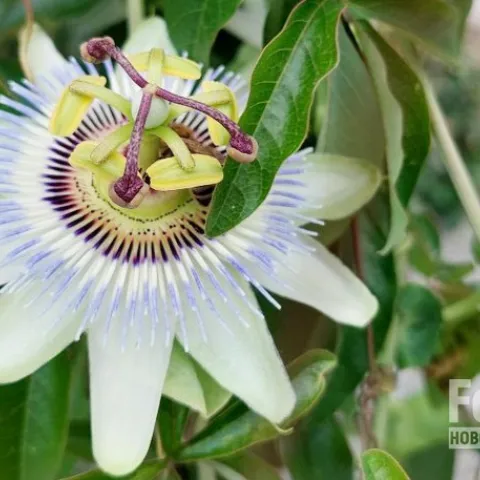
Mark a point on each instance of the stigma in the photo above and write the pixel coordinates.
(146, 152)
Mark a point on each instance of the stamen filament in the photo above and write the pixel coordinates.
(102, 93)
(110, 143)
(177, 146)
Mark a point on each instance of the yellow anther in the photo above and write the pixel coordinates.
(111, 169)
(111, 143)
(218, 133)
(72, 107)
(166, 174)
(172, 65)
(175, 143)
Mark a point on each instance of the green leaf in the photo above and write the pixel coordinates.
(148, 471)
(169, 474)
(282, 88)
(420, 318)
(434, 22)
(425, 255)
(80, 440)
(194, 24)
(172, 419)
(250, 466)
(380, 465)
(435, 461)
(244, 428)
(476, 250)
(406, 123)
(278, 12)
(353, 125)
(34, 422)
(318, 451)
(463, 8)
(415, 423)
(12, 13)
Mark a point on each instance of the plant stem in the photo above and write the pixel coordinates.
(462, 310)
(128, 186)
(454, 163)
(368, 394)
(135, 14)
(359, 269)
(158, 443)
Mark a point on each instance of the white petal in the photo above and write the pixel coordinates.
(125, 389)
(321, 280)
(248, 22)
(339, 186)
(151, 33)
(38, 55)
(242, 359)
(9, 273)
(331, 186)
(27, 339)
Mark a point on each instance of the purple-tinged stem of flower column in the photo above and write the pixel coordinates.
(130, 189)
(242, 148)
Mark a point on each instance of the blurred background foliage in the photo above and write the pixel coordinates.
(428, 328)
